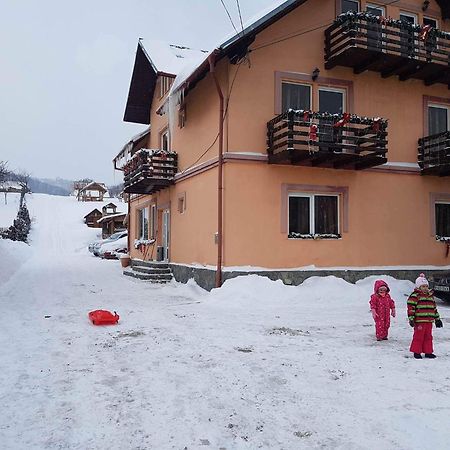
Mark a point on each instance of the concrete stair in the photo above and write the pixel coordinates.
(152, 271)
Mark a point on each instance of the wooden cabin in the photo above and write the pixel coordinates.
(91, 219)
(92, 192)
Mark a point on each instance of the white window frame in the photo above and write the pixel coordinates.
(440, 202)
(358, 2)
(164, 132)
(440, 106)
(142, 212)
(333, 89)
(409, 14)
(311, 197)
(152, 222)
(298, 83)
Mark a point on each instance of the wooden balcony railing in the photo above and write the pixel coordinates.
(391, 47)
(326, 140)
(149, 171)
(434, 154)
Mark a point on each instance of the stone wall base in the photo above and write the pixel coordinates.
(206, 277)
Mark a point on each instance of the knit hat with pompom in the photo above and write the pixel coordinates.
(421, 280)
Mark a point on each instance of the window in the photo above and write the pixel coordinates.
(182, 203)
(313, 216)
(442, 214)
(153, 222)
(143, 223)
(374, 31)
(350, 5)
(431, 41)
(165, 140)
(295, 96)
(438, 119)
(330, 101)
(164, 85)
(407, 42)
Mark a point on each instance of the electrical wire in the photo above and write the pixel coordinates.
(229, 16)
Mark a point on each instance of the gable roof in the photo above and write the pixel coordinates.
(166, 59)
(94, 185)
(92, 212)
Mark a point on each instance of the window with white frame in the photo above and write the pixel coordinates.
(165, 140)
(313, 215)
(143, 223)
(350, 5)
(295, 96)
(442, 214)
(438, 119)
(153, 218)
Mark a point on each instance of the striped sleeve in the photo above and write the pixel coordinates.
(412, 304)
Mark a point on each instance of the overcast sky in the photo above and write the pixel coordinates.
(66, 68)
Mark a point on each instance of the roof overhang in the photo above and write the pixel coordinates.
(142, 87)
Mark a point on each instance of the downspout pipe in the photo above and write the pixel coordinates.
(212, 61)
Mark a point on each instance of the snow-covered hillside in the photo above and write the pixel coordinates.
(255, 364)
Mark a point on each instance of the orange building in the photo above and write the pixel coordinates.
(315, 141)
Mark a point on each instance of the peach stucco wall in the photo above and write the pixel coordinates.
(389, 214)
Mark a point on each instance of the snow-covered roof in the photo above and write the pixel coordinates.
(94, 185)
(12, 186)
(110, 216)
(167, 58)
(92, 212)
(253, 26)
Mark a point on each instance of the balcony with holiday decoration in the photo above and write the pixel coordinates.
(339, 141)
(391, 47)
(149, 171)
(434, 154)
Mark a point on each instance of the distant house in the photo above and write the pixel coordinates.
(91, 219)
(92, 192)
(110, 208)
(112, 223)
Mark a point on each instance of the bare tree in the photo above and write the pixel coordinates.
(3, 171)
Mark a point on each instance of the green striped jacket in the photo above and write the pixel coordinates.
(422, 307)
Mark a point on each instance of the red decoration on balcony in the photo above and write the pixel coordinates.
(306, 116)
(424, 32)
(313, 132)
(376, 125)
(342, 122)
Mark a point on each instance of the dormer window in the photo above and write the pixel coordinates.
(164, 85)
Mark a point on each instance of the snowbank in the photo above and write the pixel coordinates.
(13, 255)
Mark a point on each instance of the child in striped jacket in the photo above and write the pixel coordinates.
(422, 312)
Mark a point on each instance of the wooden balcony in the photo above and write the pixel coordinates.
(434, 154)
(391, 47)
(149, 171)
(326, 140)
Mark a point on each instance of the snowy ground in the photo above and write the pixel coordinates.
(8, 208)
(255, 364)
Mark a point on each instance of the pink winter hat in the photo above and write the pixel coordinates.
(421, 280)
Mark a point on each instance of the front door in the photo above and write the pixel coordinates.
(166, 234)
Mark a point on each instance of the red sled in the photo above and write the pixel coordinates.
(102, 317)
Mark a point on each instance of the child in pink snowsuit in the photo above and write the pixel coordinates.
(381, 304)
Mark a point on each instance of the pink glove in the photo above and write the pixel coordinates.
(374, 314)
(393, 312)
